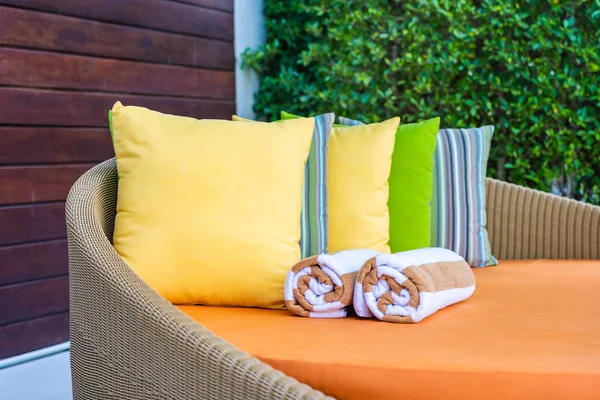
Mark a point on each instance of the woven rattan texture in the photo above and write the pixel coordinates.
(528, 224)
(127, 342)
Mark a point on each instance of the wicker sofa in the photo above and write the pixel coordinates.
(128, 342)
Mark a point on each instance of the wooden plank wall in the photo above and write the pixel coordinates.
(63, 64)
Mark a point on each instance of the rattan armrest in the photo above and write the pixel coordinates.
(127, 342)
(528, 224)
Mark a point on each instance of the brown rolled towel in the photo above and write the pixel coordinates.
(409, 286)
(323, 286)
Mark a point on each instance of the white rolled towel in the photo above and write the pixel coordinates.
(323, 286)
(409, 286)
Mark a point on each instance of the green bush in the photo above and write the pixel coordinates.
(531, 68)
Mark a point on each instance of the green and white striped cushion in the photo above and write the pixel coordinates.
(349, 122)
(314, 219)
(458, 205)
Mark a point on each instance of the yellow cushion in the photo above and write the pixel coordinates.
(360, 159)
(208, 211)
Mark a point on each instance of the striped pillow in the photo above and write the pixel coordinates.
(458, 205)
(314, 218)
(349, 122)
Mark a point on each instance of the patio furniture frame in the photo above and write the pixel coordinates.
(127, 342)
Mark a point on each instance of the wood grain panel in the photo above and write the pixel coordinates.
(224, 5)
(29, 300)
(27, 145)
(63, 64)
(90, 109)
(32, 261)
(38, 183)
(30, 68)
(34, 334)
(31, 29)
(156, 14)
(31, 223)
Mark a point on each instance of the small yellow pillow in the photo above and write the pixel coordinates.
(359, 164)
(208, 211)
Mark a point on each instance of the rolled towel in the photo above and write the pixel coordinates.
(409, 286)
(323, 286)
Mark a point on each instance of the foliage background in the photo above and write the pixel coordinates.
(529, 67)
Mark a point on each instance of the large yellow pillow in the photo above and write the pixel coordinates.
(359, 164)
(208, 211)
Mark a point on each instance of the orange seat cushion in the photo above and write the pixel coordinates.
(531, 331)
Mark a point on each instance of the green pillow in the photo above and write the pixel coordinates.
(411, 184)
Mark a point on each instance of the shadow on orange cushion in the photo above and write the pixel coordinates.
(531, 331)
